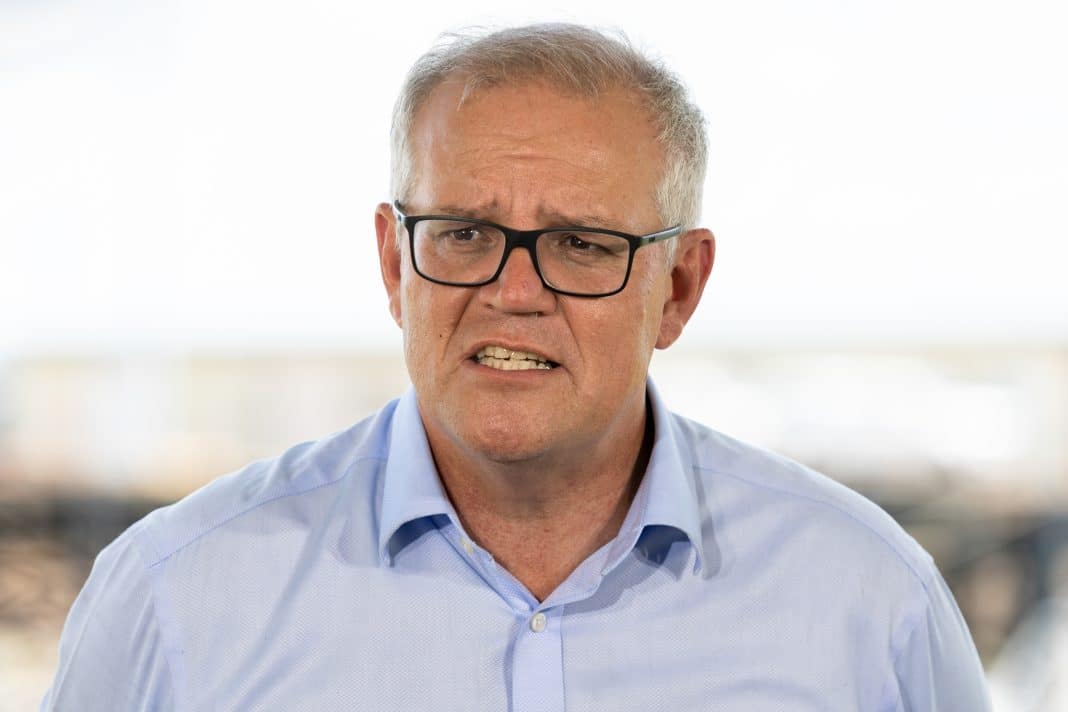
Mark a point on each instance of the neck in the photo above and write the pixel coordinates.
(540, 518)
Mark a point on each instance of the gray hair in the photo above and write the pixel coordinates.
(574, 59)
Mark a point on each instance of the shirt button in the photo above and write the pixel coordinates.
(468, 548)
(537, 622)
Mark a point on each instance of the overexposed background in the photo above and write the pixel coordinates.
(202, 174)
(188, 276)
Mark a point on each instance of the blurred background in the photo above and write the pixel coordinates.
(188, 278)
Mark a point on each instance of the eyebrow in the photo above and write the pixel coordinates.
(552, 218)
(458, 211)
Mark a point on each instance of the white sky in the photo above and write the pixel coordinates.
(202, 174)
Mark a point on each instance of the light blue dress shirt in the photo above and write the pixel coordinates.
(338, 577)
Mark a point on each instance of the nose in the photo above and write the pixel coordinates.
(518, 288)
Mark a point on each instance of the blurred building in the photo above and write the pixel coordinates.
(965, 447)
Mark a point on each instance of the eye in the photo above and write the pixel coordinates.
(576, 243)
(463, 234)
(590, 245)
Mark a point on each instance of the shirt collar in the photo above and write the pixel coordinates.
(412, 489)
(664, 507)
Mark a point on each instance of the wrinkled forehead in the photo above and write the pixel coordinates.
(495, 143)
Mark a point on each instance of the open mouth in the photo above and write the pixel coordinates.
(507, 360)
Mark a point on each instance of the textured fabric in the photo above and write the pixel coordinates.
(338, 577)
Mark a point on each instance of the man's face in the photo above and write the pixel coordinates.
(528, 157)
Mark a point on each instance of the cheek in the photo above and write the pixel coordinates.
(647, 308)
(416, 319)
(431, 314)
(620, 339)
(629, 335)
(655, 290)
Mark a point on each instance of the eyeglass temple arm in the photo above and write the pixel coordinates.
(662, 235)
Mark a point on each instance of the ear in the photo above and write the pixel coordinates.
(693, 263)
(389, 257)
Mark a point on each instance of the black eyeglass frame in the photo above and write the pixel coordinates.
(528, 239)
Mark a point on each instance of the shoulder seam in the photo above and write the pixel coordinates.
(162, 554)
(917, 575)
(921, 579)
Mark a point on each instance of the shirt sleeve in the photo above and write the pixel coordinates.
(111, 653)
(938, 669)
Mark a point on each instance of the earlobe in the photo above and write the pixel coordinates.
(389, 258)
(693, 264)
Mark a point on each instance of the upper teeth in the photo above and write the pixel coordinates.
(508, 360)
(503, 353)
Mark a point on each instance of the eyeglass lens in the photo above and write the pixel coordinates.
(583, 262)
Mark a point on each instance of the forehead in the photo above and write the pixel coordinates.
(531, 148)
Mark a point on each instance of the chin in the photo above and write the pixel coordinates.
(506, 444)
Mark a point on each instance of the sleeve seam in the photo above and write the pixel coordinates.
(896, 654)
(63, 667)
(154, 572)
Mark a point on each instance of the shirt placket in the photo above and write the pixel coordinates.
(536, 653)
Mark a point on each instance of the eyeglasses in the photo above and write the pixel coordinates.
(576, 261)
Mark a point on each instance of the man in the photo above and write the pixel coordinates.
(529, 528)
